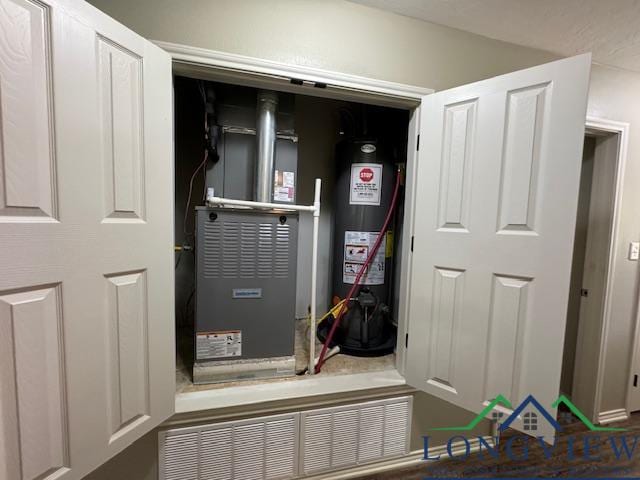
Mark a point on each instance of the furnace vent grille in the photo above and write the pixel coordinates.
(281, 258)
(265, 251)
(246, 250)
(212, 249)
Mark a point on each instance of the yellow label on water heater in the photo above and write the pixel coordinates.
(388, 253)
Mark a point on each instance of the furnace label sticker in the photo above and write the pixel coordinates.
(220, 344)
(366, 184)
(357, 246)
(284, 185)
(246, 293)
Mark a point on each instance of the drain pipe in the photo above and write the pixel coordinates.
(266, 145)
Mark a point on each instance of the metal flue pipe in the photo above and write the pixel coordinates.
(266, 145)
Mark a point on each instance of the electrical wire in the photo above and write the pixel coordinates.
(356, 284)
(187, 303)
(333, 312)
(202, 165)
(201, 90)
(186, 207)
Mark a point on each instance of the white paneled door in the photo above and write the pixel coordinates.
(86, 282)
(498, 175)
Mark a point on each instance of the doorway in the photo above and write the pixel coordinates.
(588, 310)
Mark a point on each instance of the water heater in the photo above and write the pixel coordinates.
(363, 191)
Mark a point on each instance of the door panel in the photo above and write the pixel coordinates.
(499, 169)
(119, 77)
(32, 360)
(86, 290)
(28, 160)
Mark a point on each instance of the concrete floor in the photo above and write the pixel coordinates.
(338, 365)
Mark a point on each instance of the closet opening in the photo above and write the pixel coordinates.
(243, 278)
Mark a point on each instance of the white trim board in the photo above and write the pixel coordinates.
(253, 395)
(601, 127)
(414, 458)
(611, 416)
(622, 130)
(251, 71)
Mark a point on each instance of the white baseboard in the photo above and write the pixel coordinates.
(610, 416)
(414, 458)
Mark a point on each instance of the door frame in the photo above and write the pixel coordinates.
(598, 127)
(219, 66)
(260, 73)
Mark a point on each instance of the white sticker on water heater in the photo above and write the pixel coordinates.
(357, 246)
(366, 184)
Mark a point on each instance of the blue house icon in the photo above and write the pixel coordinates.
(530, 419)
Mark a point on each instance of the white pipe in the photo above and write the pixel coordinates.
(334, 351)
(212, 201)
(314, 275)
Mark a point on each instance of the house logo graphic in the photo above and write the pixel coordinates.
(560, 454)
(531, 412)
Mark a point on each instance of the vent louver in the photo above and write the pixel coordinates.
(212, 249)
(281, 258)
(268, 448)
(181, 457)
(246, 250)
(257, 449)
(342, 437)
(265, 250)
(216, 454)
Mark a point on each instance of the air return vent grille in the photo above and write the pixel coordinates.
(342, 437)
(257, 449)
(288, 446)
(181, 454)
(246, 250)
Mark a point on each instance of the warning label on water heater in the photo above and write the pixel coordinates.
(366, 184)
(220, 344)
(357, 246)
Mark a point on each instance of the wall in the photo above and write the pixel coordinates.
(615, 95)
(136, 462)
(328, 34)
(188, 156)
(317, 125)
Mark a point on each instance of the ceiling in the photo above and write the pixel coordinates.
(609, 29)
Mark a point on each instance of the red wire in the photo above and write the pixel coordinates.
(356, 282)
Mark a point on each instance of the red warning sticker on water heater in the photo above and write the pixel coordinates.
(366, 184)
